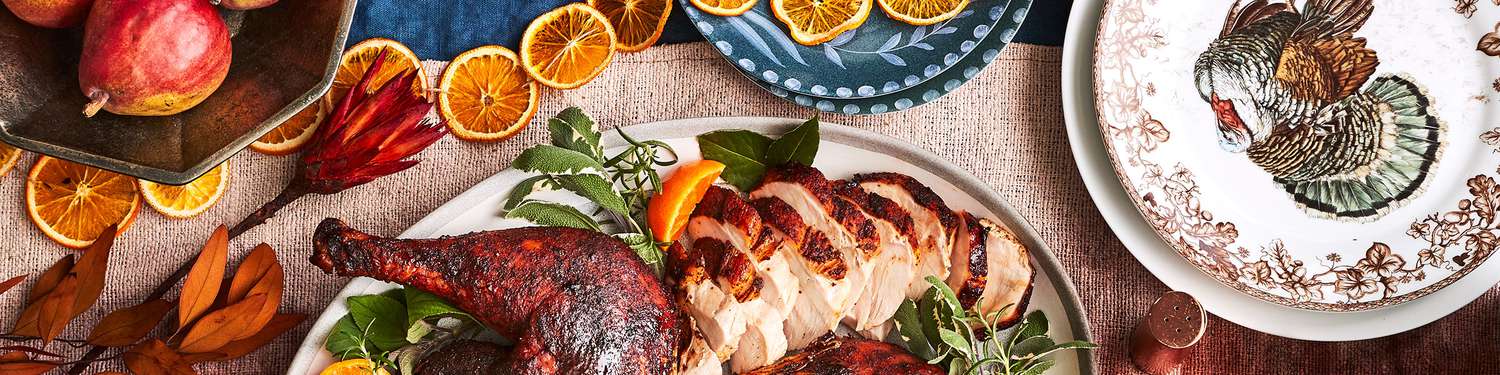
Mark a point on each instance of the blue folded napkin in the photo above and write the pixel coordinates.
(441, 29)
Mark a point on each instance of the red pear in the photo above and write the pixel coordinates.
(55, 14)
(152, 57)
(245, 4)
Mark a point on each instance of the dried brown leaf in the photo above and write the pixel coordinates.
(56, 310)
(126, 326)
(13, 357)
(256, 265)
(155, 358)
(204, 280)
(26, 367)
(7, 284)
(26, 322)
(22, 350)
(279, 324)
(220, 327)
(111, 373)
(91, 270)
(50, 278)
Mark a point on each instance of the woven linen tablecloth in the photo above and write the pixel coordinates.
(1005, 127)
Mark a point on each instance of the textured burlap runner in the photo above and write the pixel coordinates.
(1005, 127)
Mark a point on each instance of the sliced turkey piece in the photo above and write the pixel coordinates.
(710, 284)
(847, 229)
(698, 358)
(724, 221)
(822, 276)
(932, 223)
(894, 262)
(722, 214)
(992, 270)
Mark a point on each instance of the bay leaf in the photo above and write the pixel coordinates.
(126, 326)
(11, 283)
(219, 327)
(743, 153)
(204, 279)
(797, 146)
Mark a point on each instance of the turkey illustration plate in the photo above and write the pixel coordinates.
(843, 151)
(1319, 155)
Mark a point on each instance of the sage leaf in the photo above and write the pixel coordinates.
(1031, 347)
(595, 189)
(956, 341)
(554, 215)
(422, 306)
(644, 248)
(574, 130)
(1035, 325)
(909, 325)
(797, 146)
(524, 188)
(743, 153)
(382, 320)
(1038, 367)
(549, 159)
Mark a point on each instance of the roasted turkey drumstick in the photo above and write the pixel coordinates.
(575, 301)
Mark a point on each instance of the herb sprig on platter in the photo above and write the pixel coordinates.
(397, 328)
(937, 328)
(620, 184)
(747, 155)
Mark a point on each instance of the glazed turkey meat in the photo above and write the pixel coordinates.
(851, 356)
(574, 301)
(780, 272)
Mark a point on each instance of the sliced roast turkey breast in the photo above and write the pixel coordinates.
(847, 229)
(932, 223)
(825, 290)
(716, 311)
(894, 263)
(991, 270)
(724, 221)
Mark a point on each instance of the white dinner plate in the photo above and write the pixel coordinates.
(1178, 273)
(843, 152)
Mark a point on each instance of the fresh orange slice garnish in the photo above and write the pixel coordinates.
(181, 202)
(291, 135)
(922, 12)
(568, 46)
(813, 22)
(357, 60)
(72, 204)
(357, 366)
(637, 23)
(486, 96)
(8, 157)
(667, 213)
(726, 8)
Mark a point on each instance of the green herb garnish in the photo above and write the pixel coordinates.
(620, 185)
(937, 328)
(381, 327)
(747, 155)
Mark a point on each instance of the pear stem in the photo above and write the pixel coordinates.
(97, 99)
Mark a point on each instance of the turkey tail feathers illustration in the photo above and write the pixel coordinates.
(1411, 143)
(1334, 18)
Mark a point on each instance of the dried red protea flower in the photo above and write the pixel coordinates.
(367, 136)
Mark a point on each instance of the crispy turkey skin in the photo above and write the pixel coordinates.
(575, 301)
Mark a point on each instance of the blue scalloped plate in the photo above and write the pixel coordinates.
(881, 57)
(985, 51)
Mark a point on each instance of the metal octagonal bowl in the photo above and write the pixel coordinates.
(284, 59)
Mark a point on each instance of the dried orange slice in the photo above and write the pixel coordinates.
(72, 204)
(667, 213)
(291, 135)
(486, 96)
(726, 8)
(637, 23)
(181, 202)
(357, 366)
(922, 12)
(568, 46)
(8, 157)
(813, 22)
(357, 60)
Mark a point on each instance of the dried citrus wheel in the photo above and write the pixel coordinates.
(667, 213)
(726, 8)
(72, 203)
(8, 157)
(568, 46)
(637, 23)
(816, 21)
(291, 135)
(181, 202)
(357, 366)
(357, 60)
(922, 12)
(486, 95)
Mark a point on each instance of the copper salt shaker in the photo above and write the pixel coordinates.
(1161, 341)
